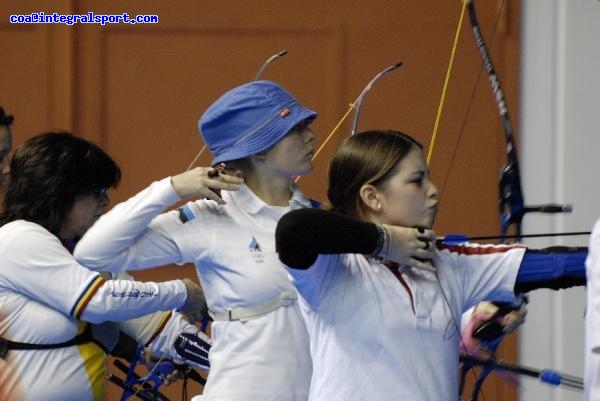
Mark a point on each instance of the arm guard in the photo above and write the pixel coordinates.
(554, 267)
(303, 234)
(193, 348)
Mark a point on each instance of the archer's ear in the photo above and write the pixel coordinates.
(369, 195)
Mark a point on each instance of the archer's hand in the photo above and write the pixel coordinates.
(195, 307)
(507, 321)
(512, 320)
(411, 247)
(488, 322)
(204, 183)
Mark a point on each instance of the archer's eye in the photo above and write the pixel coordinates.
(417, 181)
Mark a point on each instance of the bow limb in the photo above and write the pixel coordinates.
(356, 105)
(328, 138)
(464, 368)
(511, 203)
(512, 206)
(513, 199)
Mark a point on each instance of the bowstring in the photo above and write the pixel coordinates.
(469, 108)
(351, 107)
(446, 80)
(189, 167)
(141, 386)
(430, 152)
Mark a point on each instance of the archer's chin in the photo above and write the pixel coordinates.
(429, 222)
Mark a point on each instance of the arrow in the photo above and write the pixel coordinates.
(457, 239)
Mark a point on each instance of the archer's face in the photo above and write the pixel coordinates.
(84, 213)
(5, 148)
(409, 198)
(292, 155)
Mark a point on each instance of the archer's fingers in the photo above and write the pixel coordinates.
(225, 184)
(175, 375)
(486, 309)
(425, 238)
(214, 195)
(231, 178)
(423, 254)
(426, 235)
(512, 321)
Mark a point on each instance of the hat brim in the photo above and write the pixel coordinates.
(269, 135)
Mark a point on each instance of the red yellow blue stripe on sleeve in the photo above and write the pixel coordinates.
(85, 296)
(159, 329)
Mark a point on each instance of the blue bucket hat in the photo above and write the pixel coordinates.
(250, 119)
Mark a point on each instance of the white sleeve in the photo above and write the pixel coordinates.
(123, 239)
(317, 281)
(592, 266)
(38, 266)
(158, 331)
(117, 300)
(488, 272)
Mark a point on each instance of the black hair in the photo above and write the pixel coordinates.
(6, 119)
(49, 172)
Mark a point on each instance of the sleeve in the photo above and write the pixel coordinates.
(43, 270)
(592, 265)
(555, 268)
(118, 300)
(485, 272)
(158, 331)
(163, 333)
(328, 271)
(303, 234)
(126, 238)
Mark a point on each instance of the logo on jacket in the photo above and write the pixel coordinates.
(256, 250)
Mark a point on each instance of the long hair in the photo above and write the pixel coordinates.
(47, 174)
(365, 158)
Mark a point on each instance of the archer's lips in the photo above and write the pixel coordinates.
(433, 210)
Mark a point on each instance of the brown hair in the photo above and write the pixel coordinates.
(365, 158)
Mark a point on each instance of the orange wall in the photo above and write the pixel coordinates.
(138, 90)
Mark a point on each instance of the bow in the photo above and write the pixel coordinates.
(359, 101)
(147, 387)
(356, 106)
(511, 203)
